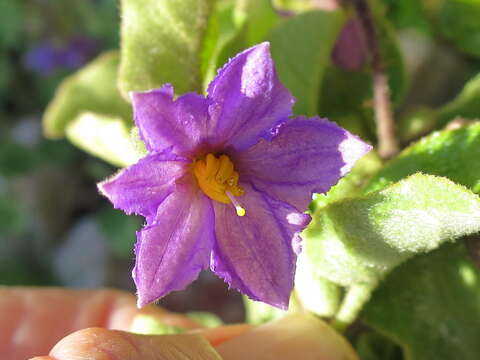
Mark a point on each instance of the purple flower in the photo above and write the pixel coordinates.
(47, 57)
(226, 181)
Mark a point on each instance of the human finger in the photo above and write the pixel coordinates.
(34, 319)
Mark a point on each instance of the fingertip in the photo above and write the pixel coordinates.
(97, 343)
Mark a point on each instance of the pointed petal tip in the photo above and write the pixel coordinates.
(352, 149)
(264, 46)
(143, 301)
(138, 97)
(281, 304)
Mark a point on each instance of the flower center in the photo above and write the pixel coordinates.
(219, 180)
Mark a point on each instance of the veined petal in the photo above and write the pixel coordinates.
(256, 253)
(307, 155)
(171, 252)
(248, 99)
(142, 187)
(166, 123)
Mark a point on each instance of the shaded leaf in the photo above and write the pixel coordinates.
(423, 120)
(408, 14)
(458, 21)
(223, 39)
(260, 19)
(301, 48)
(430, 306)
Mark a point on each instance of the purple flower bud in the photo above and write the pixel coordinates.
(351, 50)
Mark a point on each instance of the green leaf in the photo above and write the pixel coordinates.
(451, 153)
(458, 21)
(358, 241)
(108, 138)
(161, 43)
(223, 39)
(301, 48)
(392, 57)
(260, 19)
(423, 120)
(92, 89)
(315, 293)
(465, 105)
(408, 14)
(374, 346)
(351, 184)
(430, 306)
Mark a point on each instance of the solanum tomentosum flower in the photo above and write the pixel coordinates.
(227, 180)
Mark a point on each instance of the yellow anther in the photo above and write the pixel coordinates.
(218, 180)
(225, 169)
(213, 164)
(240, 211)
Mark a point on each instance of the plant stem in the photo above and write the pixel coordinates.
(352, 304)
(387, 142)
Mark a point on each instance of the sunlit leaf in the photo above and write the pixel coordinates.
(92, 89)
(451, 153)
(358, 241)
(108, 138)
(161, 43)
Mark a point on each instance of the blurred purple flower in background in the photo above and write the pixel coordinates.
(351, 50)
(47, 57)
(227, 180)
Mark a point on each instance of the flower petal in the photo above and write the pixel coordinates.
(142, 187)
(164, 123)
(255, 253)
(248, 99)
(171, 252)
(307, 155)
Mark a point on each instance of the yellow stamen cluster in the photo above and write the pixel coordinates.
(217, 177)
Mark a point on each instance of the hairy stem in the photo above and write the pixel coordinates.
(387, 142)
